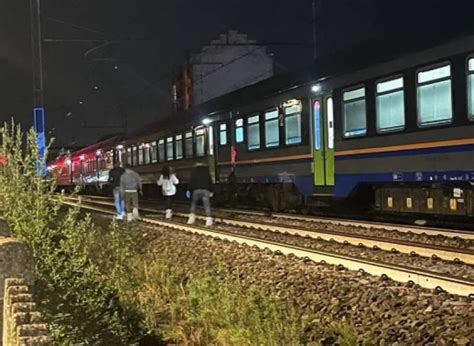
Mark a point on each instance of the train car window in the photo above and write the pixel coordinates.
(129, 156)
(239, 130)
(317, 125)
(146, 153)
(434, 96)
(470, 87)
(355, 115)
(140, 154)
(293, 123)
(169, 149)
(330, 120)
(161, 150)
(154, 153)
(223, 134)
(179, 146)
(390, 105)
(200, 143)
(188, 144)
(134, 156)
(253, 132)
(272, 132)
(210, 135)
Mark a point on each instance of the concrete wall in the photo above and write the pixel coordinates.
(230, 62)
(20, 321)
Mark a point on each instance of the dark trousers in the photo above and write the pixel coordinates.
(169, 202)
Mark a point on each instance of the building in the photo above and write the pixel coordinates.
(228, 63)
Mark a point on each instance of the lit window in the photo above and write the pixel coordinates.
(272, 131)
(355, 116)
(169, 149)
(200, 143)
(154, 153)
(470, 88)
(253, 132)
(390, 105)
(330, 119)
(129, 156)
(179, 146)
(293, 124)
(146, 153)
(161, 150)
(210, 134)
(223, 134)
(140, 155)
(434, 96)
(188, 144)
(317, 125)
(134, 156)
(239, 130)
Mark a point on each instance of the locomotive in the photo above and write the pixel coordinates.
(395, 136)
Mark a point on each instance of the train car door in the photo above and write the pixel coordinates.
(323, 141)
(211, 150)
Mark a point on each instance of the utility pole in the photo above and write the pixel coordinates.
(36, 49)
(38, 99)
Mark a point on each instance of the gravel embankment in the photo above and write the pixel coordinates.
(317, 226)
(439, 266)
(390, 312)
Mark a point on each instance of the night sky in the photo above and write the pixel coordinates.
(132, 80)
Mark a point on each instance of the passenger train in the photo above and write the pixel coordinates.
(392, 136)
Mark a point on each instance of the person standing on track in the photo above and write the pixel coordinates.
(114, 180)
(200, 186)
(168, 182)
(131, 186)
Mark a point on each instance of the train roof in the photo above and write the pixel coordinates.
(357, 58)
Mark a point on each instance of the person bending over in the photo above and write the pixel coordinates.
(200, 186)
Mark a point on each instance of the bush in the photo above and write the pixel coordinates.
(73, 297)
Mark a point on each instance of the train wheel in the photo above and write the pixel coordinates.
(272, 198)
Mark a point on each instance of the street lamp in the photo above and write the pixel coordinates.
(206, 121)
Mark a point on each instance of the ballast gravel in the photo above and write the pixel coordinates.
(434, 265)
(380, 310)
(373, 231)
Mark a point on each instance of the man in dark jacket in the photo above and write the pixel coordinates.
(114, 179)
(200, 186)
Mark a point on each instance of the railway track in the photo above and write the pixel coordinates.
(345, 237)
(397, 272)
(432, 231)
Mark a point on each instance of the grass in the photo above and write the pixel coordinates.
(212, 308)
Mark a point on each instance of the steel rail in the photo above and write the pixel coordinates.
(407, 247)
(397, 273)
(432, 231)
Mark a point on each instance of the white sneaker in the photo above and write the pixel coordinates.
(136, 215)
(168, 214)
(191, 219)
(118, 217)
(209, 221)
